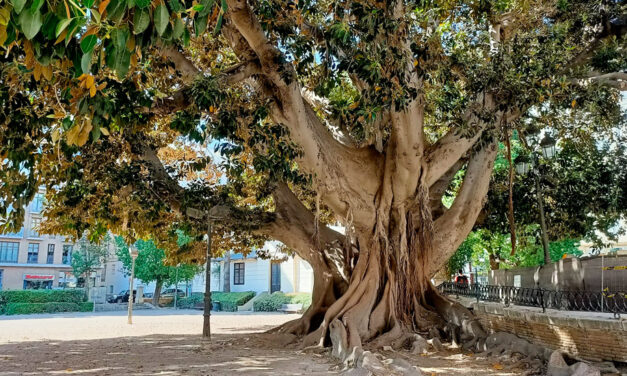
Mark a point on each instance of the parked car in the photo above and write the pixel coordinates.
(122, 297)
(148, 295)
(170, 293)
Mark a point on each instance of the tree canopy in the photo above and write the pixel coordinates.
(361, 112)
(151, 265)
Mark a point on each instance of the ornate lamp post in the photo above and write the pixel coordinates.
(133, 251)
(523, 165)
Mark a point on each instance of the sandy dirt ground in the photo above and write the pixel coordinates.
(167, 342)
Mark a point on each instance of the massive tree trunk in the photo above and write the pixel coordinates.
(372, 285)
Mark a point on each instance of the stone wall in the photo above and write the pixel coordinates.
(586, 335)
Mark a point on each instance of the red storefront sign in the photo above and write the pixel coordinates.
(38, 277)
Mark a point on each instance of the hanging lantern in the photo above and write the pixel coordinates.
(522, 164)
(548, 146)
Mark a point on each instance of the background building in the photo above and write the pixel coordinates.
(30, 260)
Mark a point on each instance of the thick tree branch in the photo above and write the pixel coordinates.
(453, 227)
(335, 166)
(617, 80)
(187, 69)
(438, 189)
(443, 155)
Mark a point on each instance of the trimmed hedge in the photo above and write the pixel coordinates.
(28, 308)
(230, 300)
(42, 296)
(274, 301)
(17, 302)
(85, 306)
(190, 301)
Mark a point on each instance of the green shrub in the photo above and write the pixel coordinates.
(86, 306)
(42, 296)
(190, 301)
(230, 300)
(28, 308)
(274, 301)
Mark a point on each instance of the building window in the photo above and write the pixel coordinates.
(67, 254)
(38, 203)
(9, 251)
(238, 273)
(50, 259)
(34, 227)
(1, 271)
(33, 253)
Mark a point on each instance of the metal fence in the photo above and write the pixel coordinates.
(613, 302)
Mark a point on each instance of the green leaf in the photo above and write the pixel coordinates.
(200, 25)
(36, 5)
(88, 3)
(141, 20)
(62, 25)
(30, 23)
(18, 5)
(86, 62)
(115, 10)
(207, 6)
(216, 30)
(162, 18)
(142, 3)
(88, 43)
(178, 29)
(118, 58)
(49, 26)
(186, 38)
(175, 5)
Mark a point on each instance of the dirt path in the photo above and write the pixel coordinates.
(167, 343)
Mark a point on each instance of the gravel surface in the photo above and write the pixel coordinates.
(166, 342)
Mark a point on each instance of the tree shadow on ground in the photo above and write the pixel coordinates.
(227, 354)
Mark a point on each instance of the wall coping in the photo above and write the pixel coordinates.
(575, 319)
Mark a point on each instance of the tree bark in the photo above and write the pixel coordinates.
(157, 293)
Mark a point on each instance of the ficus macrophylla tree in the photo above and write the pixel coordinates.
(360, 112)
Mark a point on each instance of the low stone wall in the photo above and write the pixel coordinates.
(587, 335)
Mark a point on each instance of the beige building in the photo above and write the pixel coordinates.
(30, 260)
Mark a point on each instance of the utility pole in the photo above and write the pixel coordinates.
(206, 326)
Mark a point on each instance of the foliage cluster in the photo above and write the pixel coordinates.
(151, 264)
(483, 247)
(274, 301)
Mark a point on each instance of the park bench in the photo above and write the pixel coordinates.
(291, 308)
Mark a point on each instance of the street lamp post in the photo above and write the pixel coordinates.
(206, 325)
(176, 286)
(523, 164)
(133, 251)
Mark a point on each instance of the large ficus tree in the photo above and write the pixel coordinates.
(356, 111)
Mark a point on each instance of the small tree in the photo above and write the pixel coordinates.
(150, 266)
(87, 258)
